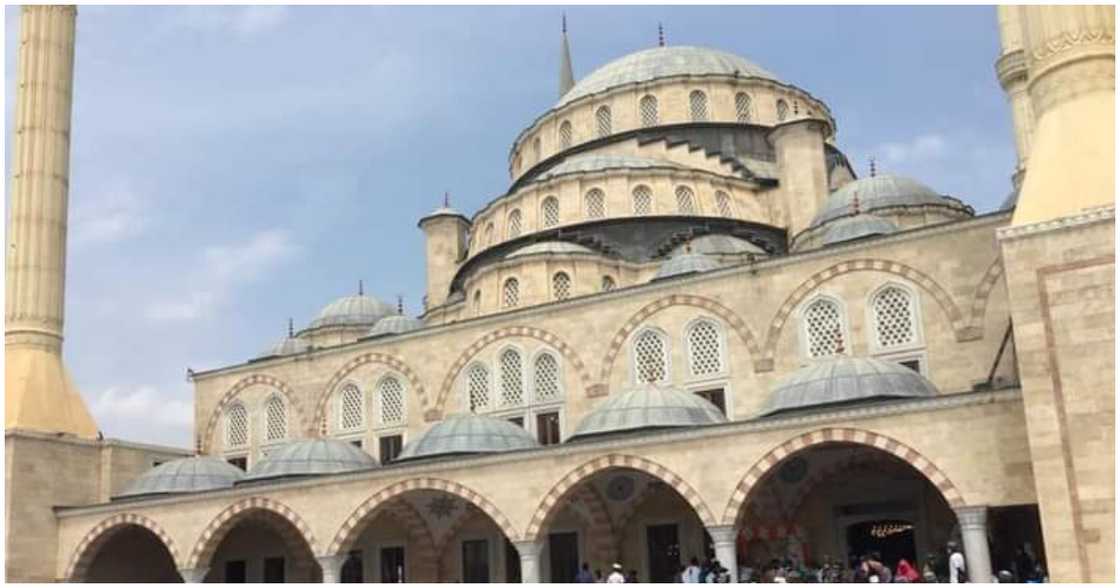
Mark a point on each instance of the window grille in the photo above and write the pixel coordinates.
(351, 408)
(603, 120)
(698, 105)
(509, 293)
(783, 110)
(276, 426)
(537, 149)
(742, 107)
(685, 204)
(550, 212)
(596, 207)
(648, 108)
(608, 283)
(824, 329)
(705, 356)
(478, 387)
(561, 286)
(723, 203)
(546, 377)
(514, 226)
(390, 394)
(565, 135)
(894, 317)
(643, 200)
(237, 426)
(649, 356)
(512, 382)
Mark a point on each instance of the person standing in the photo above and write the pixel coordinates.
(584, 576)
(691, 574)
(958, 572)
(616, 576)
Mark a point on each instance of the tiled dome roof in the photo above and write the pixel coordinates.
(883, 191)
(396, 324)
(468, 433)
(844, 380)
(353, 311)
(646, 407)
(685, 263)
(188, 474)
(309, 457)
(857, 226)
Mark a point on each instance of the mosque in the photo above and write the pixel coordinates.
(688, 328)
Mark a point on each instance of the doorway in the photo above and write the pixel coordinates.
(892, 539)
(563, 557)
(664, 552)
(392, 565)
(476, 561)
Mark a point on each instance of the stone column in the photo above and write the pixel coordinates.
(974, 533)
(530, 552)
(723, 539)
(332, 568)
(193, 575)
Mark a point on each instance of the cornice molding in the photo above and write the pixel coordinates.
(1085, 217)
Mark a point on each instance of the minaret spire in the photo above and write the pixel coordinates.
(291, 328)
(660, 35)
(567, 80)
(872, 167)
(361, 290)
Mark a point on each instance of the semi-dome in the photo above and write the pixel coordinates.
(844, 380)
(685, 263)
(468, 434)
(648, 406)
(595, 163)
(856, 226)
(663, 62)
(719, 245)
(311, 457)
(289, 346)
(883, 191)
(395, 325)
(188, 474)
(355, 310)
(550, 247)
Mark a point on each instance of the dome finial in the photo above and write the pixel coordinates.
(873, 166)
(400, 304)
(855, 202)
(291, 328)
(361, 290)
(660, 35)
(446, 199)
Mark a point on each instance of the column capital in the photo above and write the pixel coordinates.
(528, 548)
(193, 575)
(972, 516)
(722, 533)
(331, 566)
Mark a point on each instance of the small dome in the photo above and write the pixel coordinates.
(550, 247)
(289, 346)
(188, 474)
(719, 245)
(595, 163)
(844, 380)
(468, 433)
(856, 226)
(646, 407)
(883, 191)
(663, 62)
(353, 311)
(395, 325)
(311, 457)
(685, 263)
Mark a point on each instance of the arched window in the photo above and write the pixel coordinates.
(723, 204)
(783, 110)
(351, 408)
(824, 328)
(276, 419)
(650, 357)
(489, 234)
(546, 378)
(895, 320)
(603, 120)
(705, 349)
(743, 107)
(565, 135)
(537, 149)
(237, 426)
(608, 283)
(561, 286)
(647, 107)
(511, 381)
(550, 212)
(643, 200)
(513, 226)
(478, 387)
(698, 105)
(390, 401)
(595, 203)
(685, 201)
(477, 301)
(510, 293)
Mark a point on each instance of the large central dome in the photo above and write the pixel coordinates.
(663, 62)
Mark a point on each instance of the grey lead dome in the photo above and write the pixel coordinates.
(685, 263)
(310, 457)
(648, 406)
(189, 474)
(855, 227)
(466, 434)
(395, 325)
(846, 380)
(355, 310)
(883, 191)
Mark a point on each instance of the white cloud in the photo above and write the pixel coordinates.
(926, 147)
(113, 214)
(144, 411)
(243, 21)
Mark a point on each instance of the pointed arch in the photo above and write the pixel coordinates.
(212, 536)
(415, 385)
(205, 443)
(90, 544)
(980, 297)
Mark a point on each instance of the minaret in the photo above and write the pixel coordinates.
(567, 80)
(1011, 69)
(39, 393)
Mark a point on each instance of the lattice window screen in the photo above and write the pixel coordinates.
(608, 283)
(824, 329)
(511, 381)
(649, 355)
(894, 317)
(351, 408)
(723, 203)
(390, 396)
(783, 110)
(705, 355)
(742, 107)
(276, 417)
(237, 426)
(478, 387)
(565, 135)
(643, 200)
(698, 105)
(510, 293)
(546, 377)
(685, 202)
(550, 212)
(561, 286)
(603, 120)
(595, 201)
(648, 108)
(514, 226)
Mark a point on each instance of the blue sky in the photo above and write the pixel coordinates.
(235, 166)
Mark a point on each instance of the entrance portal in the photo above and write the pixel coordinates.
(891, 540)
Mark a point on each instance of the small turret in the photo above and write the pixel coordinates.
(445, 230)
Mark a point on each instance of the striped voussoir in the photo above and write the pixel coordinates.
(296, 531)
(415, 384)
(766, 464)
(729, 317)
(982, 294)
(570, 356)
(290, 399)
(352, 528)
(548, 509)
(810, 285)
(871, 463)
(88, 547)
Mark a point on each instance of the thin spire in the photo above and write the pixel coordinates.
(446, 199)
(855, 202)
(660, 35)
(361, 290)
(567, 79)
(400, 304)
(291, 328)
(872, 167)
